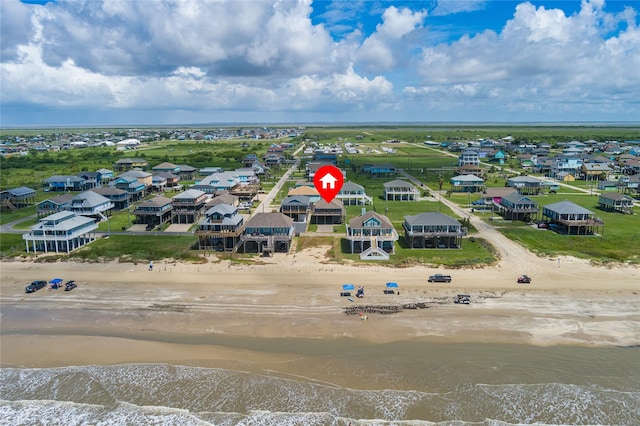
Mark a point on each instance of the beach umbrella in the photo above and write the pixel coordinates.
(348, 287)
(392, 285)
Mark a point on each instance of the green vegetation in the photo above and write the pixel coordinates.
(431, 165)
(132, 248)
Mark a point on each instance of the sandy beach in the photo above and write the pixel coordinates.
(119, 305)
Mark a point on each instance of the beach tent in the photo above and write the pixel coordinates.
(347, 287)
(392, 285)
(55, 283)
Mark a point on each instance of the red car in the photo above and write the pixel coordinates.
(523, 279)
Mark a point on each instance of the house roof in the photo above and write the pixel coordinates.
(321, 204)
(615, 196)
(158, 201)
(185, 168)
(68, 220)
(136, 174)
(525, 179)
(165, 166)
(467, 179)
(358, 221)
(189, 193)
(431, 218)
(296, 199)
(89, 199)
(516, 197)
(60, 199)
(222, 199)
(270, 220)
(166, 175)
(61, 178)
(567, 207)
(596, 167)
(20, 191)
(351, 187)
(104, 171)
(303, 190)
(397, 183)
(499, 192)
(108, 190)
(222, 208)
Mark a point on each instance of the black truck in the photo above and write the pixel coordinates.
(440, 278)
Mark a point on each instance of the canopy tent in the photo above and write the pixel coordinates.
(56, 283)
(392, 285)
(348, 287)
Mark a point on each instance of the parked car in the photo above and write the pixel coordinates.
(543, 225)
(440, 278)
(524, 279)
(70, 285)
(35, 286)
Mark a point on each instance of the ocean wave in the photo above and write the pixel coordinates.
(168, 394)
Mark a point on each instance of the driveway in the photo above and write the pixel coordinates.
(178, 227)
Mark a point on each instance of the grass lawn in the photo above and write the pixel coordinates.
(473, 253)
(139, 248)
(620, 241)
(12, 245)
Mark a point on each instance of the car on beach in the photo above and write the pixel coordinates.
(524, 279)
(440, 278)
(70, 285)
(35, 286)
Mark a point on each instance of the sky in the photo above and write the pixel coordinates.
(180, 62)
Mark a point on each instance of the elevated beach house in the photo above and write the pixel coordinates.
(17, 198)
(119, 197)
(188, 206)
(267, 233)
(324, 213)
(352, 194)
(60, 232)
(153, 212)
(467, 183)
(570, 218)
(372, 235)
(516, 206)
(614, 201)
(220, 229)
(296, 207)
(400, 190)
(91, 204)
(527, 185)
(433, 230)
(54, 205)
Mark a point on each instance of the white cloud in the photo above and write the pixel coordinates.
(449, 7)
(540, 57)
(381, 50)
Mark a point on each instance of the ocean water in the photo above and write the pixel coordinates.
(342, 382)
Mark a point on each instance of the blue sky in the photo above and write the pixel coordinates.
(172, 62)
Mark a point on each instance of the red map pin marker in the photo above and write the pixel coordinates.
(328, 180)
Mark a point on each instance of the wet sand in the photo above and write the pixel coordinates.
(214, 313)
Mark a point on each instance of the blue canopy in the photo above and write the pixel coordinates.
(56, 281)
(392, 285)
(348, 287)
